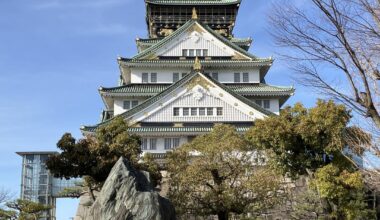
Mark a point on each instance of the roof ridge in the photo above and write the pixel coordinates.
(138, 107)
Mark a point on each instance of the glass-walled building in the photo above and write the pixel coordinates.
(38, 185)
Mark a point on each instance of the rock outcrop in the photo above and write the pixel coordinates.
(128, 195)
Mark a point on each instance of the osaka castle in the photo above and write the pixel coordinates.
(188, 75)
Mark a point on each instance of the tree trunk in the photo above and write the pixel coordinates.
(223, 215)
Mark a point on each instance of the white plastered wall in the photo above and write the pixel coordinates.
(166, 75)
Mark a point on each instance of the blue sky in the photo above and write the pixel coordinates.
(55, 54)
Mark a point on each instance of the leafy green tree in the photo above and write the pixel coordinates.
(344, 191)
(308, 205)
(312, 141)
(216, 174)
(23, 210)
(302, 140)
(94, 156)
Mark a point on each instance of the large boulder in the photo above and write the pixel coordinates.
(128, 194)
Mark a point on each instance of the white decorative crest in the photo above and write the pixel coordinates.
(198, 93)
(195, 37)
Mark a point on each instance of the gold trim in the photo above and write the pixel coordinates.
(194, 15)
(198, 80)
(197, 65)
(238, 56)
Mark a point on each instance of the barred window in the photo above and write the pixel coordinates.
(127, 105)
(267, 104)
(210, 111)
(219, 111)
(135, 103)
(153, 77)
(191, 53)
(144, 144)
(184, 53)
(145, 77)
(237, 77)
(215, 76)
(205, 52)
(175, 77)
(168, 143)
(259, 102)
(153, 144)
(185, 111)
(202, 111)
(193, 111)
(175, 142)
(199, 52)
(176, 111)
(245, 77)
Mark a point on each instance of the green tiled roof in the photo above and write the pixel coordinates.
(151, 129)
(183, 28)
(258, 89)
(189, 63)
(176, 85)
(193, 2)
(241, 42)
(136, 89)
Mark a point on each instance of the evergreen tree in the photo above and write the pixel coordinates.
(216, 174)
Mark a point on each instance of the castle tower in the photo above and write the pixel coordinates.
(190, 74)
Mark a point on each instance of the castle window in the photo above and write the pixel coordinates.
(259, 102)
(135, 103)
(267, 104)
(176, 111)
(199, 52)
(126, 104)
(153, 144)
(176, 142)
(145, 77)
(215, 76)
(168, 143)
(130, 104)
(210, 111)
(144, 144)
(202, 111)
(153, 77)
(184, 53)
(237, 77)
(205, 52)
(219, 111)
(194, 52)
(185, 112)
(245, 77)
(175, 77)
(193, 111)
